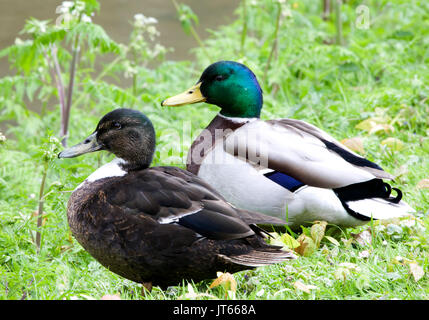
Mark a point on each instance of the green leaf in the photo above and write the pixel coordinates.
(95, 35)
(187, 17)
(50, 36)
(332, 240)
(91, 6)
(289, 241)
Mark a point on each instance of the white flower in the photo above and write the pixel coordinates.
(141, 20)
(67, 4)
(286, 12)
(151, 20)
(80, 6)
(86, 18)
(61, 9)
(151, 30)
(139, 16)
(54, 140)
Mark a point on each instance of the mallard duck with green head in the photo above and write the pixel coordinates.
(285, 168)
(159, 225)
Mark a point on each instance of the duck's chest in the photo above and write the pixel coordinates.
(243, 184)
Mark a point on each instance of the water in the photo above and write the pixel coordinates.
(114, 17)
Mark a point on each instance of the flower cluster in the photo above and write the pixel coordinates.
(72, 11)
(50, 149)
(142, 42)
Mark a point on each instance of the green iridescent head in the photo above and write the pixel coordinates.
(230, 85)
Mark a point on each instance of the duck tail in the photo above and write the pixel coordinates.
(259, 258)
(379, 208)
(373, 200)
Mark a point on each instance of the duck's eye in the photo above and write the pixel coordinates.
(117, 125)
(219, 77)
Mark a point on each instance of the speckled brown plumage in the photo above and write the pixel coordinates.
(116, 221)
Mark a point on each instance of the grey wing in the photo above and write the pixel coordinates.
(302, 151)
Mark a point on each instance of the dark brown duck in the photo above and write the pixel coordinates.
(159, 225)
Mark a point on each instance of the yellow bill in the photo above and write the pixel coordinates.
(192, 95)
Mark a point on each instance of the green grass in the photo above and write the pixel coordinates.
(379, 72)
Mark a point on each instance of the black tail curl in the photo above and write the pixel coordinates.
(375, 188)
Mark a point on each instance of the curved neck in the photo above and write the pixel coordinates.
(242, 104)
(244, 100)
(249, 110)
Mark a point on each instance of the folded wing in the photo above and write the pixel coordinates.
(171, 195)
(301, 151)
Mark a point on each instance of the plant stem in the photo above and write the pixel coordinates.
(99, 77)
(65, 120)
(326, 9)
(40, 209)
(193, 32)
(275, 41)
(244, 30)
(338, 22)
(200, 43)
(56, 76)
(134, 74)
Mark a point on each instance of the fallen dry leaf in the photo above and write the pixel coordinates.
(306, 245)
(374, 125)
(366, 124)
(382, 127)
(298, 285)
(416, 271)
(363, 254)
(364, 238)
(354, 144)
(347, 242)
(393, 143)
(423, 184)
(317, 232)
(344, 271)
(226, 280)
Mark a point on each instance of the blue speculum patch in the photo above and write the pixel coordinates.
(284, 180)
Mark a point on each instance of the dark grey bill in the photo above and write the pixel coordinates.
(90, 144)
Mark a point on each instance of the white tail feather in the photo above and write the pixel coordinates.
(380, 209)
